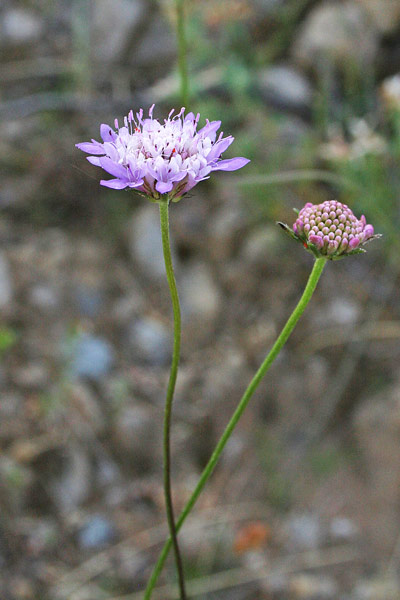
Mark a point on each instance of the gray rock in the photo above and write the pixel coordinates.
(97, 532)
(377, 589)
(304, 532)
(225, 228)
(73, 486)
(44, 297)
(341, 311)
(126, 307)
(385, 16)
(135, 433)
(223, 377)
(145, 242)
(315, 376)
(89, 300)
(377, 427)
(262, 245)
(313, 587)
(42, 535)
(108, 472)
(151, 341)
(114, 26)
(90, 357)
(343, 529)
(32, 376)
(85, 410)
(285, 87)
(20, 26)
(10, 406)
(6, 286)
(158, 47)
(337, 31)
(200, 295)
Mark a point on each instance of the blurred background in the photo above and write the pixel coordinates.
(305, 503)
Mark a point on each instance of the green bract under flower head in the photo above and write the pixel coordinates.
(330, 229)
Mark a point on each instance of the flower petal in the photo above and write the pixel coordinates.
(94, 160)
(107, 133)
(231, 164)
(219, 148)
(115, 184)
(164, 187)
(178, 176)
(135, 184)
(91, 148)
(111, 151)
(210, 129)
(113, 168)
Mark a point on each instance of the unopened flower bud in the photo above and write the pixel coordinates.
(330, 229)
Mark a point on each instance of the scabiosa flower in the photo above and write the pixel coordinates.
(160, 159)
(330, 229)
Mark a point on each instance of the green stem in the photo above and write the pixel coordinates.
(164, 223)
(182, 52)
(276, 348)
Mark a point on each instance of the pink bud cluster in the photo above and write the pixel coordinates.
(331, 228)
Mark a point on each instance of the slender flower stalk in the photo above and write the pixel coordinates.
(269, 359)
(182, 51)
(163, 161)
(164, 223)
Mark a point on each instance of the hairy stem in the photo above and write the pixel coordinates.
(269, 359)
(164, 223)
(182, 52)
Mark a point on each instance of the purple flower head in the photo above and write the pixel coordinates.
(160, 159)
(330, 229)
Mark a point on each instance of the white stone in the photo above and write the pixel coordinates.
(114, 23)
(336, 31)
(145, 242)
(200, 295)
(285, 86)
(384, 13)
(21, 26)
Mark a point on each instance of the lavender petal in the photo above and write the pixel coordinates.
(231, 164)
(91, 148)
(210, 129)
(164, 187)
(94, 160)
(219, 148)
(115, 184)
(114, 169)
(107, 133)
